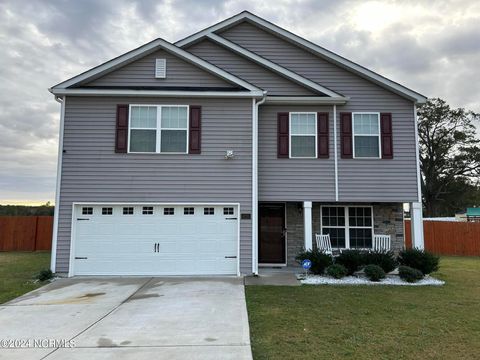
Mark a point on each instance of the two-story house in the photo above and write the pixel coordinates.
(229, 150)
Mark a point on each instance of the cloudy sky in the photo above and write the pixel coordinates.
(432, 47)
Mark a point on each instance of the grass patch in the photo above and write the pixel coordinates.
(18, 271)
(370, 322)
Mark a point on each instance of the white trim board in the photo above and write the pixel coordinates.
(163, 93)
(53, 259)
(272, 66)
(309, 46)
(306, 100)
(144, 50)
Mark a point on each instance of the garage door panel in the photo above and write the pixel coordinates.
(125, 244)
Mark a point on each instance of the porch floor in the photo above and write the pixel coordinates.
(277, 276)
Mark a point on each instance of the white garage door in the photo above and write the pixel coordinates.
(155, 240)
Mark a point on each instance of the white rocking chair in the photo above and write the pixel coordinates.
(323, 243)
(381, 242)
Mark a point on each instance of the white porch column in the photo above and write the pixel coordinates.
(307, 224)
(416, 217)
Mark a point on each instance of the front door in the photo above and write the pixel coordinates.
(271, 242)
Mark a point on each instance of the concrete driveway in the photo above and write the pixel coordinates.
(129, 318)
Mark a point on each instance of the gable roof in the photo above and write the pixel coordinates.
(144, 50)
(303, 43)
(272, 66)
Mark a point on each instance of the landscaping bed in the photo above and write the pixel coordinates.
(359, 280)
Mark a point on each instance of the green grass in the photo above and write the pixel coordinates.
(361, 322)
(18, 270)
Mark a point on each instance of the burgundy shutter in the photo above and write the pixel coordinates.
(121, 135)
(346, 135)
(282, 133)
(322, 132)
(386, 131)
(195, 135)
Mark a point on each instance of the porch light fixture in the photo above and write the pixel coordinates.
(229, 155)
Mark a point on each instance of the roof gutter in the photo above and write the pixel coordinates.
(307, 100)
(164, 93)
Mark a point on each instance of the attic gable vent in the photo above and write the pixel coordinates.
(161, 68)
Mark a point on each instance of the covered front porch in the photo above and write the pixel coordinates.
(286, 228)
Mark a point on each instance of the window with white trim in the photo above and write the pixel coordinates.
(209, 211)
(350, 227)
(147, 210)
(128, 211)
(158, 129)
(107, 211)
(168, 211)
(303, 135)
(366, 135)
(87, 211)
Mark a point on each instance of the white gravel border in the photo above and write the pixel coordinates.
(353, 280)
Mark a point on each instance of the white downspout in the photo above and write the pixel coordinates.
(53, 260)
(335, 150)
(255, 105)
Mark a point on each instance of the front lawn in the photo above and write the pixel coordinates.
(17, 272)
(370, 322)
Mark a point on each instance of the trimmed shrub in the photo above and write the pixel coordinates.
(421, 260)
(351, 259)
(374, 272)
(336, 271)
(385, 259)
(409, 274)
(45, 275)
(319, 260)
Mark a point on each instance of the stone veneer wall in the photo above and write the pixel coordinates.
(295, 239)
(387, 219)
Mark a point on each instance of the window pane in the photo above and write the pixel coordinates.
(365, 124)
(360, 238)
(174, 141)
(366, 146)
(333, 216)
(360, 216)
(143, 140)
(144, 117)
(337, 237)
(303, 146)
(303, 124)
(174, 117)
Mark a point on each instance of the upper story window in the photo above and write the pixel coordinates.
(158, 129)
(303, 135)
(366, 135)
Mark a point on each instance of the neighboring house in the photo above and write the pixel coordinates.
(228, 150)
(471, 215)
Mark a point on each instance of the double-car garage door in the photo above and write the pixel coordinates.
(155, 239)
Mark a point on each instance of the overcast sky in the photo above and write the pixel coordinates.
(432, 47)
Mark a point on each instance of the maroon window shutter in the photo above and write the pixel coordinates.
(322, 132)
(387, 139)
(282, 133)
(346, 135)
(195, 133)
(121, 135)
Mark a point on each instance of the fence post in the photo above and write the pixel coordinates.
(36, 234)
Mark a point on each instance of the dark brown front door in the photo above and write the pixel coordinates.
(271, 229)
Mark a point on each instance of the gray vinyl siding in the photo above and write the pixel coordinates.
(359, 180)
(92, 171)
(247, 70)
(141, 72)
(291, 179)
